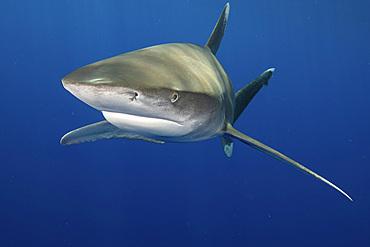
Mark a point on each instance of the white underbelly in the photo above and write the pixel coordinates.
(147, 126)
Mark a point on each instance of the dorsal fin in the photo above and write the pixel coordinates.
(214, 40)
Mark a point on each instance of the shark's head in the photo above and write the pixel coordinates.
(147, 92)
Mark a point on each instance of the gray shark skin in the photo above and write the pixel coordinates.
(176, 92)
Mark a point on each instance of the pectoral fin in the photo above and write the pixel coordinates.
(267, 150)
(100, 130)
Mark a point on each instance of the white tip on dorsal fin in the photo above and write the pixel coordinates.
(215, 39)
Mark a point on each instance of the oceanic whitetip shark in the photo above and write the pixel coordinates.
(176, 92)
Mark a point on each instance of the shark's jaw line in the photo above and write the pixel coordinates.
(146, 126)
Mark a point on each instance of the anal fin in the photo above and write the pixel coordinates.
(98, 131)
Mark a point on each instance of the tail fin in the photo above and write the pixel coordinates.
(246, 94)
(242, 99)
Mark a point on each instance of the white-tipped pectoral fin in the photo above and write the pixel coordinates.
(267, 150)
(98, 131)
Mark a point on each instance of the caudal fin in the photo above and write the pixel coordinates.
(242, 99)
(246, 94)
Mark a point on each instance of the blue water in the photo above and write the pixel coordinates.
(131, 193)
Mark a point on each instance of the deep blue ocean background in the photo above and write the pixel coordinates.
(132, 193)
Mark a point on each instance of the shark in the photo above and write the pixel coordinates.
(174, 92)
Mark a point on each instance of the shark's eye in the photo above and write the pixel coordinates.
(134, 95)
(174, 97)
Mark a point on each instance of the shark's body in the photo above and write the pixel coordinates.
(168, 93)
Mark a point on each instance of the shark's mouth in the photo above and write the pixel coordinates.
(146, 126)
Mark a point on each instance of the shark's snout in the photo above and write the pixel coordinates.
(94, 85)
(87, 75)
